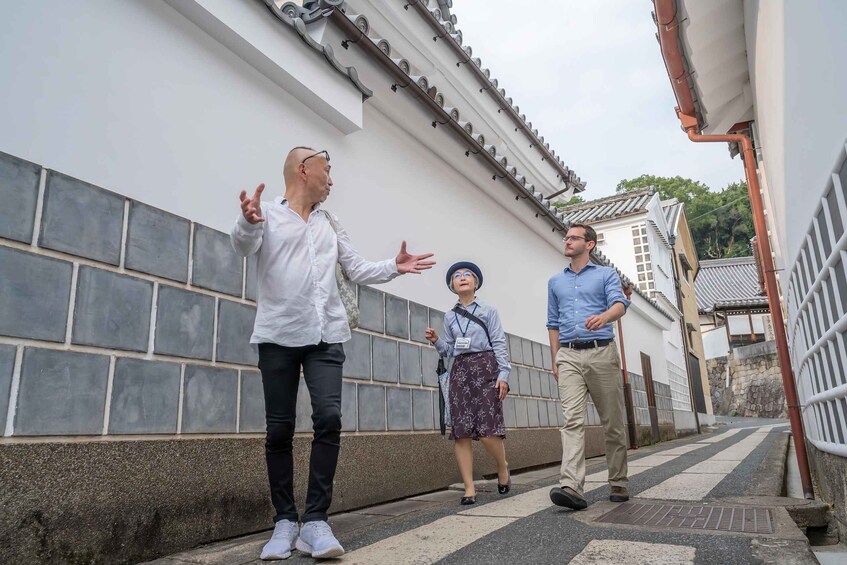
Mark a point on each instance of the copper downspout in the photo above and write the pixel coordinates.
(669, 41)
(627, 388)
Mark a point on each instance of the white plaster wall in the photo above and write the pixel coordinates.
(133, 97)
(643, 334)
(795, 54)
(715, 343)
(618, 245)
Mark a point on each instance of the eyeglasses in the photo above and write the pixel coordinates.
(460, 275)
(573, 238)
(324, 152)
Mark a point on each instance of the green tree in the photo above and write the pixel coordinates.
(721, 223)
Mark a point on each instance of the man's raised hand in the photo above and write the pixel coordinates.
(407, 263)
(252, 207)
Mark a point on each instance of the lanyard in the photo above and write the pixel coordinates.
(468, 325)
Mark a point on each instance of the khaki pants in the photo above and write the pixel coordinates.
(597, 372)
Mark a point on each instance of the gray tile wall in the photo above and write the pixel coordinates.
(19, 194)
(81, 219)
(34, 295)
(390, 381)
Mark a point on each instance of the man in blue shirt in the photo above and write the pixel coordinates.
(583, 301)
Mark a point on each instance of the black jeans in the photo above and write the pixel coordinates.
(280, 368)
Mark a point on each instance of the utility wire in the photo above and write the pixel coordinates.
(718, 208)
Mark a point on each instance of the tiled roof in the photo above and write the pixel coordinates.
(296, 17)
(609, 207)
(673, 210)
(728, 283)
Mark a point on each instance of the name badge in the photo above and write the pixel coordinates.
(463, 343)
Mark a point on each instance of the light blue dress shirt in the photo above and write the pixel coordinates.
(573, 297)
(457, 326)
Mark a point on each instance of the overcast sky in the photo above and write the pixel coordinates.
(589, 76)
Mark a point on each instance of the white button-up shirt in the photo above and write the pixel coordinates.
(298, 300)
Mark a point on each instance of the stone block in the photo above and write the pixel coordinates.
(429, 363)
(145, 397)
(546, 358)
(537, 354)
(399, 409)
(560, 417)
(553, 411)
(410, 364)
(185, 323)
(515, 351)
(251, 417)
(543, 414)
(7, 367)
(251, 289)
(436, 321)
(235, 326)
(19, 194)
(524, 384)
(358, 352)
(61, 393)
(112, 310)
(554, 386)
(34, 295)
(521, 417)
(418, 322)
(81, 219)
(532, 413)
(209, 400)
(371, 309)
(371, 407)
(422, 410)
(396, 316)
(509, 412)
(544, 377)
(348, 407)
(526, 351)
(216, 264)
(535, 383)
(386, 364)
(157, 242)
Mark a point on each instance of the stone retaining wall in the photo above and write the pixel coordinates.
(755, 382)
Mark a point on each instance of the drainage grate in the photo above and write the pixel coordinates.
(750, 520)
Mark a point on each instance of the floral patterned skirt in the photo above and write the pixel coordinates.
(475, 405)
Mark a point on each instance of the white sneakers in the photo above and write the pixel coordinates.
(315, 539)
(281, 542)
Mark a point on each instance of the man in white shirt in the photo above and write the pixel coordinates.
(301, 322)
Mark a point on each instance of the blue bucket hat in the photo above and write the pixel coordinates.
(464, 265)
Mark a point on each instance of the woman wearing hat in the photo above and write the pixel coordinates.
(479, 377)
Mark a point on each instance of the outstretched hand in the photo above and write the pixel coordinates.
(252, 207)
(407, 263)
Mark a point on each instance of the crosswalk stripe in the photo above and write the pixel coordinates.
(634, 553)
(695, 482)
(428, 543)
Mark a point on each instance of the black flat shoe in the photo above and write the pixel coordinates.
(466, 500)
(503, 489)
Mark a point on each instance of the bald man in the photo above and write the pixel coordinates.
(301, 323)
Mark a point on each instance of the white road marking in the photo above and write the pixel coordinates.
(633, 553)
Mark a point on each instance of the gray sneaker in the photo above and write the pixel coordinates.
(316, 539)
(281, 542)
